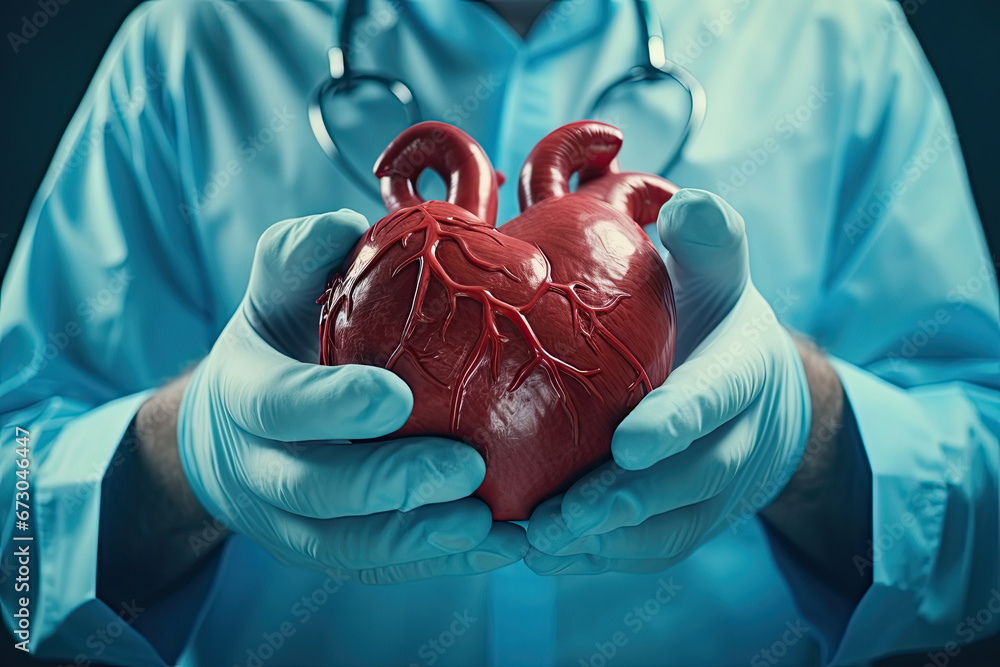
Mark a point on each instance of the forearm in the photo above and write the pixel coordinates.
(153, 531)
(825, 511)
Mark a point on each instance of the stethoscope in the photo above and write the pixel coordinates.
(343, 79)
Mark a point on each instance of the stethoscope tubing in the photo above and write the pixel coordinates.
(343, 78)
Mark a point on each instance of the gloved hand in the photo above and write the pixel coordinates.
(263, 431)
(729, 424)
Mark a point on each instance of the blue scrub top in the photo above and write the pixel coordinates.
(826, 129)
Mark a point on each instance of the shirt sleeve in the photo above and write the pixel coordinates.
(104, 300)
(909, 312)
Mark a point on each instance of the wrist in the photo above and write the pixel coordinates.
(801, 414)
(825, 509)
(151, 525)
(160, 459)
(826, 401)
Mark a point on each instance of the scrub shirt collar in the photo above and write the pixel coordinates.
(560, 26)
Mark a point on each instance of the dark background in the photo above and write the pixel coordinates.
(42, 84)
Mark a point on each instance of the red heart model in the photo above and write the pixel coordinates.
(530, 343)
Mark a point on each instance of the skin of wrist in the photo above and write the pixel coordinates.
(156, 431)
(153, 531)
(825, 509)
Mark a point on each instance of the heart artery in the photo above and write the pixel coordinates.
(531, 342)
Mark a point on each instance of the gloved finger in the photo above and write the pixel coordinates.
(273, 396)
(708, 261)
(700, 472)
(290, 266)
(547, 529)
(547, 565)
(295, 256)
(705, 236)
(668, 535)
(326, 481)
(505, 545)
(374, 540)
(717, 383)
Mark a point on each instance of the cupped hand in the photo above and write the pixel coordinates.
(264, 436)
(725, 431)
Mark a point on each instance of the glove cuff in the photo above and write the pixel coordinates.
(194, 462)
(799, 419)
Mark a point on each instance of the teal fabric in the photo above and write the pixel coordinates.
(826, 131)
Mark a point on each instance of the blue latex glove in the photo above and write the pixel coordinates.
(263, 437)
(729, 425)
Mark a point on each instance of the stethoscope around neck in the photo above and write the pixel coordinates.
(654, 66)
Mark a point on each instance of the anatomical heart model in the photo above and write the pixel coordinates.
(532, 342)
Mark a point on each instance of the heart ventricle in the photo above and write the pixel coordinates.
(530, 343)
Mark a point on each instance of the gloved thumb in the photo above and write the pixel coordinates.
(705, 236)
(290, 268)
(708, 261)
